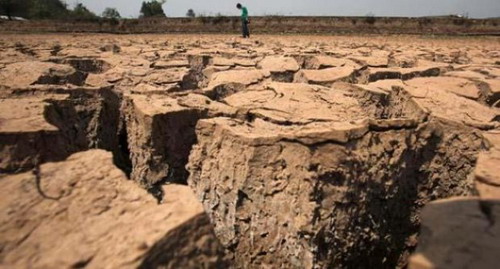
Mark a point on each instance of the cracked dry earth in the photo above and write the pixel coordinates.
(140, 151)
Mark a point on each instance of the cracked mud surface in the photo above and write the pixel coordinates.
(278, 152)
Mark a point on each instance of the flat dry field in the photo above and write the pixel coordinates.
(269, 152)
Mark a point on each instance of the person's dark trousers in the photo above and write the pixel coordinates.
(246, 31)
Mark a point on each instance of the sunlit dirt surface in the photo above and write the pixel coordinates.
(269, 152)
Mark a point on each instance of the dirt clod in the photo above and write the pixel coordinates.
(283, 152)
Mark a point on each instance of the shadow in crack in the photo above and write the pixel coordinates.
(191, 245)
(376, 219)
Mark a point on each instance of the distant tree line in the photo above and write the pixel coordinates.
(58, 9)
(153, 8)
(37, 9)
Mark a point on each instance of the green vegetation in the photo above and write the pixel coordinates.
(111, 13)
(13, 8)
(51, 9)
(190, 13)
(34, 9)
(45, 9)
(152, 9)
(81, 13)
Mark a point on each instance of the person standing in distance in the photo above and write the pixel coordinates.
(244, 20)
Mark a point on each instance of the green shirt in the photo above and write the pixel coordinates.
(244, 13)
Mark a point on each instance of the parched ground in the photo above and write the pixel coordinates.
(184, 151)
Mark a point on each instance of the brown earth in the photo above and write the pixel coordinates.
(84, 213)
(445, 25)
(289, 152)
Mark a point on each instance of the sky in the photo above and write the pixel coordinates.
(410, 8)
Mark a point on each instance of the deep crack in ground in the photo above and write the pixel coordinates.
(300, 159)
